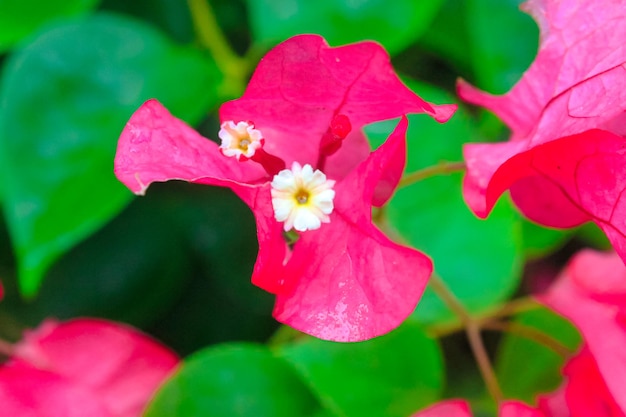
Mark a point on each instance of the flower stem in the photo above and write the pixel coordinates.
(511, 308)
(472, 329)
(210, 36)
(440, 168)
(530, 333)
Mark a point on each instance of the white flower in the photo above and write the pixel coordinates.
(301, 198)
(240, 139)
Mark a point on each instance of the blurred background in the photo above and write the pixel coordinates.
(177, 262)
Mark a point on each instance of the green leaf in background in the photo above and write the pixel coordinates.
(240, 380)
(480, 260)
(502, 48)
(394, 24)
(393, 375)
(64, 101)
(492, 52)
(526, 368)
(20, 18)
(540, 241)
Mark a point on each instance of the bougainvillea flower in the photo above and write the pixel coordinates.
(460, 408)
(591, 293)
(576, 83)
(83, 367)
(312, 173)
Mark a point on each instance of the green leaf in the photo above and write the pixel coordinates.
(394, 24)
(526, 368)
(63, 104)
(502, 47)
(392, 375)
(489, 42)
(234, 380)
(20, 18)
(540, 241)
(480, 260)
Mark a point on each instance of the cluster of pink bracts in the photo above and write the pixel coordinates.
(565, 164)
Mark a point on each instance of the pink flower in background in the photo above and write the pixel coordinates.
(584, 392)
(591, 293)
(460, 408)
(293, 149)
(83, 367)
(559, 171)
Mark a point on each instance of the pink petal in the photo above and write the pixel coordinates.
(518, 409)
(26, 391)
(601, 324)
(1, 291)
(586, 393)
(449, 408)
(155, 146)
(564, 192)
(576, 83)
(301, 84)
(353, 282)
(116, 366)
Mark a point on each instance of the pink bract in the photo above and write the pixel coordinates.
(576, 83)
(83, 367)
(460, 408)
(345, 281)
(591, 292)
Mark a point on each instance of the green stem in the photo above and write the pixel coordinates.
(530, 333)
(472, 329)
(440, 168)
(511, 308)
(210, 36)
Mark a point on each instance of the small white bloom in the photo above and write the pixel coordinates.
(240, 139)
(302, 198)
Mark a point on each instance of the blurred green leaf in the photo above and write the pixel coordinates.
(392, 375)
(63, 104)
(171, 16)
(20, 18)
(480, 260)
(490, 42)
(526, 368)
(234, 380)
(394, 24)
(541, 241)
(502, 48)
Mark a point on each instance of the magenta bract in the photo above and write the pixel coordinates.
(591, 293)
(83, 367)
(345, 281)
(575, 84)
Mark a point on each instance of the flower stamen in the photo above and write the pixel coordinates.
(302, 198)
(240, 140)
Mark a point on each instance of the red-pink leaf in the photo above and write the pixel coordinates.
(302, 84)
(576, 83)
(450, 408)
(586, 393)
(302, 90)
(359, 284)
(597, 312)
(89, 366)
(459, 408)
(556, 191)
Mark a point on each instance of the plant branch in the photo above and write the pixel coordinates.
(472, 329)
(210, 36)
(440, 168)
(529, 333)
